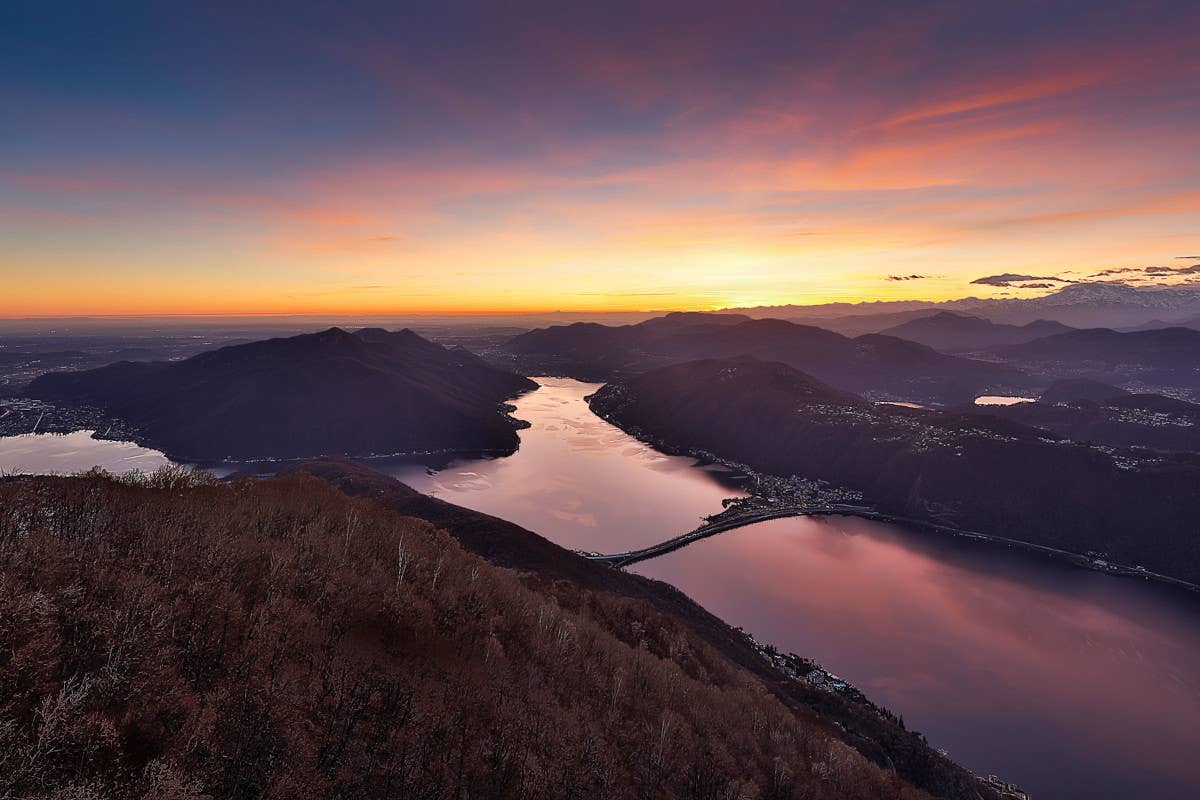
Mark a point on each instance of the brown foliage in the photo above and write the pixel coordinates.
(177, 638)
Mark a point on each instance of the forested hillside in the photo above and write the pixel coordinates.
(180, 638)
(968, 470)
(327, 393)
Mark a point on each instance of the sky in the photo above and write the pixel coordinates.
(249, 157)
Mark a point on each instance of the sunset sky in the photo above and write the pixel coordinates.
(397, 157)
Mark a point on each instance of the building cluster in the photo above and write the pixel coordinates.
(20, 415)
(1151, 419)
(809, 672)
(1005, 788)
(890, 423)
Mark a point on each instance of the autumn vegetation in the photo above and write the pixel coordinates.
(176, 637)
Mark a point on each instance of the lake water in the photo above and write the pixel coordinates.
(578, 480)
(69, 453)
(1073, 684)
(1002, 400)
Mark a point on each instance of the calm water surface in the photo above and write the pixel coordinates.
(1071, 683)
(69, 453)
(1002, 400)
(578, 480)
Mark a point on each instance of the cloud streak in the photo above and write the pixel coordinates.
(775, 153)
(1009, 278)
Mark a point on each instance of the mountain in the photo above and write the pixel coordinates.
(858, 324)
(1070, 390)
(1118, 420)
(1089, 305)
(331, 392)
(860, 725)
(1078, 305)
(1164, 347)
(1155, 324)
(175, 637)
(879, 365)
(962, 333)
(967, 470)
(1167, 357)
(833, 310)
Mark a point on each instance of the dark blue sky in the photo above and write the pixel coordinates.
(714, 152)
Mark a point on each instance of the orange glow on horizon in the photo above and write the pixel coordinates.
(875, 163)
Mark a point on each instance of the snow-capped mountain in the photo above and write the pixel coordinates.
(1079, 305)
(1105, 305)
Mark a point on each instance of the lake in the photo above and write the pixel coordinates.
(1070, 683)
(69, 453)
(1002, 400)
(578, 480)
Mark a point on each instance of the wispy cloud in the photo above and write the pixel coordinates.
(1009, 278)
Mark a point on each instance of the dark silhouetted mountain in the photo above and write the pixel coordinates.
(961, 333)
(1168, 357)
(879, 365)
(1165, 347)
(858, 324)
(1069, 390)
(968, 470)
(1118, 420)
(323, 393)
(591, 351)
(1157, 324)
(677, 320)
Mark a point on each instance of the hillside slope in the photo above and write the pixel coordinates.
(1165, 357)
(1120, 420)
(882, 366)
(968, 470)
(183, 639)
(508, 545)
(961, 333)
(332, 392)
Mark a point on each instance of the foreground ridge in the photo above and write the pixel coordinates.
(179, 637)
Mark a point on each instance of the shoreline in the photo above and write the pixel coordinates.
(1082, 560)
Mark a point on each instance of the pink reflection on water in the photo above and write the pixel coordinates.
(578, 480)
(1074, 683)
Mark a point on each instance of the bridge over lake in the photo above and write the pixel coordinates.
(724, 522)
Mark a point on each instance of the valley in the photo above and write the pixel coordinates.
(807, 585)
(740, 471)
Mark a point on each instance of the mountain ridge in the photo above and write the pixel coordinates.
(330, 392)
(964, 468)
(871, 363)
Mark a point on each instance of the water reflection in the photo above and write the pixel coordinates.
(578, 480)
(1071, 683)
(1074, 684)
(69, 453)
(1002, 400)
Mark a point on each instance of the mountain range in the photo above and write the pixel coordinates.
(333, 392)
(950, 332)
(1078, 305)
(1166, 357)
(882, 366)
(965, 469)
(1091, 411)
